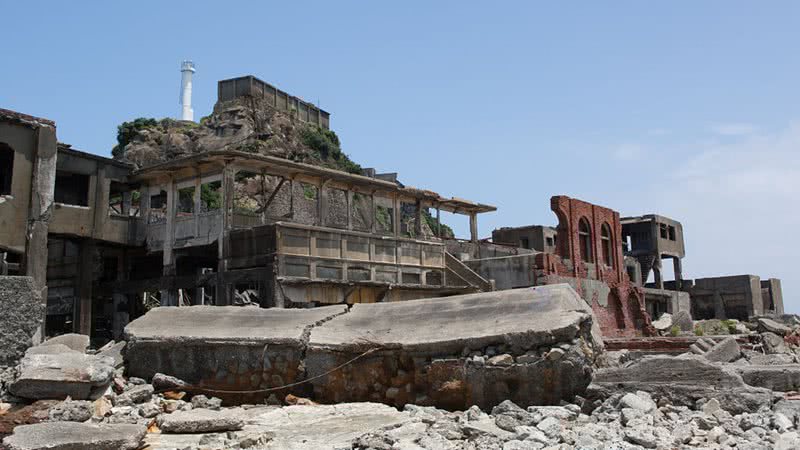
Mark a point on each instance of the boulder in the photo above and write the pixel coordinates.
(201, 421)
(773, 343)
(113, 350)
(783, 378)
(74, 436)
(664, 323)
(771, 326)
(23, 312)
(61, 375)
(681, 381)
(724, 351)
(73, 341)
(683, 319)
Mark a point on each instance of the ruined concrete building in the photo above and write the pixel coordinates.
(239, 210)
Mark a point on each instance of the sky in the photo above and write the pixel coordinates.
(686, 109)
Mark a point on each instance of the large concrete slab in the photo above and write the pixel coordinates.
(439, 351)
(319, 427)
(56, 372)
(519, 317)
(223, 347)
(73, 435)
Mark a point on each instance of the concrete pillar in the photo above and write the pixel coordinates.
(222, 295)
(676, 265)
(42, 188)
(197, 201)
(473, 227)
(719, 306)
(438, 221)
(169, 297)
(86, 278)
(121, 314)
(127, 198)
(418, 220)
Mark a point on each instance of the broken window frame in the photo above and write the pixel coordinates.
(66, 182)
(184, 195)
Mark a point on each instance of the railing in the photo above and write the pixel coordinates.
(463, 272)
(324, 253)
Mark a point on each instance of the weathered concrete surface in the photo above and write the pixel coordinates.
(433, 351)
(74, 436)
(726, 351)
(22, 316)
(201, 421)
(223, 347)
(782, 378)
(320, 427)
(54, 372)
(73, 341)
(681, 381)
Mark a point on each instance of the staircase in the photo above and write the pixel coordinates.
(458, 274)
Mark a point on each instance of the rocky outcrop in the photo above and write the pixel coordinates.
(245, 124)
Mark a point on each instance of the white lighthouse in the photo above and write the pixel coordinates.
(187, 69)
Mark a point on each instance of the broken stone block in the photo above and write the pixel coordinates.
(62, 375)
(72, 411)
(163, 382)
(23, 313)
(223, 347)
(201, 421)
(73, 341)
(777, 378)
(134, 395)
(769, 325)
(773, 343)
(201, 401)
(426, 338)
(664, 323)
(113, 350)
(683, 319)
(72, 435)
(725, 351)
(681, 382)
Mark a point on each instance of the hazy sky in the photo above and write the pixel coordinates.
(686, 109)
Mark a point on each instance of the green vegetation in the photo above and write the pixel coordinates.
(698, 331)
(327, 147)
(127, 131)
(309, 192)
(675, 331)
(384, 217)
(447, 232)
(730, 325)
(210, 195)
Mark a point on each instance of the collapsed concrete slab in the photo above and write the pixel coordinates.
(434, 351)
(23, 313)
(56, 372)
(73, 341)
(783, 378)
(73, 435)
(681, 381)
(223, 347)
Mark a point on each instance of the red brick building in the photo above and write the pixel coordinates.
(589, 257)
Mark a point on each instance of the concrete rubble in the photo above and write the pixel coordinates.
(519, 369)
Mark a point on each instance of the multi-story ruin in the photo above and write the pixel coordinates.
(219, 214)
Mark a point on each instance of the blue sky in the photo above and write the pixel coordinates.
(686, 109)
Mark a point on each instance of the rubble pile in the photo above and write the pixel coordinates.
(465, 377)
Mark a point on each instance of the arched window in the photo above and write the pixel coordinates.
(605, 241)
(585, 240)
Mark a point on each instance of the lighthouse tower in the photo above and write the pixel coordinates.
(187, 69)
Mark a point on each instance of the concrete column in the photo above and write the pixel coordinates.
(102, 190)
(127, 197)
(418, 220)
(676, 266)
(121, 315)
(719, 306)
(197, 201)
(438, 221)
(659, 281)
(397, 216)
(473, 227)
(222, 294)
(168, 296)
(86, 278)
(42, 187)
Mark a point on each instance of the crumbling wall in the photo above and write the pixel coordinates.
(22, 315)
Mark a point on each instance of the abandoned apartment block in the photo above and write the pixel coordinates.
(106, 240)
